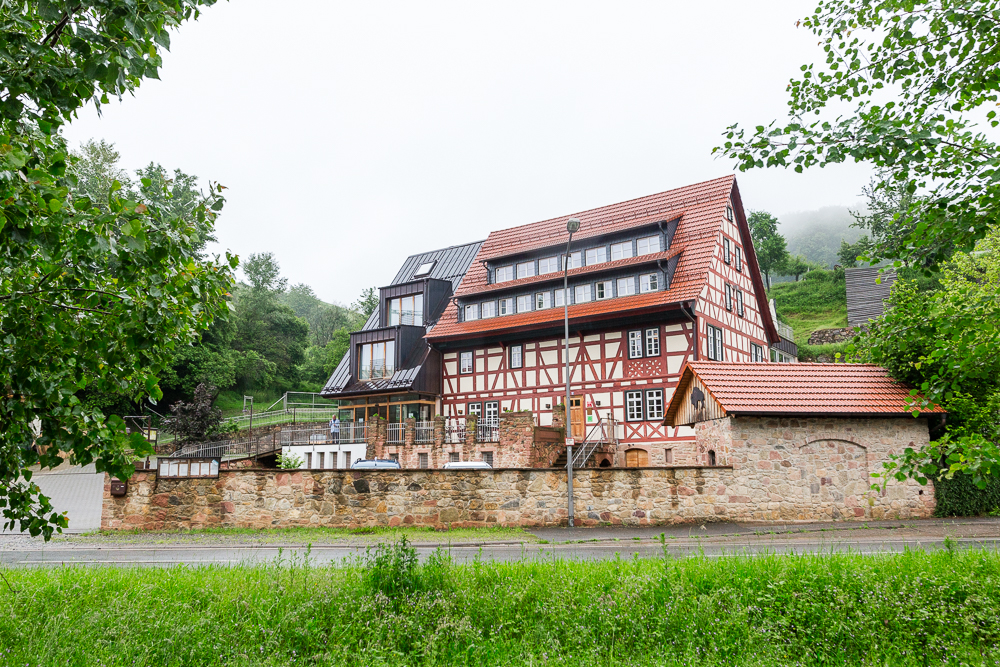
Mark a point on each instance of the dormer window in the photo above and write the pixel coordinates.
(526, 270)
(548, 265)
(575, 260)
(597, 255)
(648, 245)
(424, 269)
(503, 274)
(407, 310)
(621, 250)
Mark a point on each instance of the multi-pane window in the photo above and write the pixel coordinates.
(488, 458)
(516, 356)
(729, 213)
(654, 404)
(466, 362)
(543, 300)
(548, 265)
(634, 344)
(652, 342)
(597, 255)
(729, 296)
(715, 350)
(739, 302)
(575, 259)
(621, 250)
(603, 289)
(648, 283)
(476, 410)
(422, 460)
(492, 415)
(453, 457)
(525, 269)
(739, 259)
(726, 251)
(407, 310)
(582, 294)
(756, 352)
(648, 245)
(488, 309)
(506, 306)
(633, 406)
(626, 286)
(559, 297)
(524, 303)
(376, 360)
(472, 312)
(504, 273)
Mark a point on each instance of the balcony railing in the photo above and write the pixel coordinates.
(423, 432)
(784, 330)
(454, 431)
(488, 431)
(413, 318)
(375, 371)
(395, 433)
(353, 432)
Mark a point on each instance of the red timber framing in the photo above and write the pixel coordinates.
(715, 288)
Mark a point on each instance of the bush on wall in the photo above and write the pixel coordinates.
(959, 496)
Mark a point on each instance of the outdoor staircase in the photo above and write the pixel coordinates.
(603, 434)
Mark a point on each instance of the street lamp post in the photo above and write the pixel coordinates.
(572, 225)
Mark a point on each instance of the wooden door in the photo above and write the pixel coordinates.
(576, 418)
(636, 458)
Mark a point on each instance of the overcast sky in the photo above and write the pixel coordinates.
(353, 134)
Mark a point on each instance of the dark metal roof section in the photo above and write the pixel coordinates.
(449, 264)
(864, 295)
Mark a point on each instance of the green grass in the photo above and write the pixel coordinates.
(913, 608)
(324, 535)
(231, 402)
(818, 301)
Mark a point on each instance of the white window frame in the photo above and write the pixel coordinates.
(644, 246)
(525, 269)
(726, 250)
(505, 306)
(739, 303)
(548, 265)
(729, 297)
(516, 356)
(629, 284)
(648, 282)
(739, 258)
(582, 294)
(543, 300)
(634, 400)
(575, 259)
(475, 409)
(463, 367)
(558, 300)
(756, 352)
(715, 350)
(471, 312)
(621, 250)
(424, 269)
(487, 309)
(635, 344)
(503, 273)
(654, 404)
(597, 255)
(524, 303)
(652, 340)
(603, 290)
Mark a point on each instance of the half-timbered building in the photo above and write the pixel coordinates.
(652, 283)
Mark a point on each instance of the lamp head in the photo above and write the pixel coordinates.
(572, 225)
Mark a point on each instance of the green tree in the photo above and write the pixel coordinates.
(336, 349)
(850, 252)
(945, 342)
(912, 74)
(796, 266)
(365, 305)
(94, 295)
(888, 218)
(768, 244)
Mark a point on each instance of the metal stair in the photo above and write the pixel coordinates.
(602, 434)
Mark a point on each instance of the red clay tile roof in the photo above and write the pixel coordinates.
(701, 208)
(797, 389)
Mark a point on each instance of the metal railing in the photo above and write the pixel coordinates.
(604, 432)
(227, 449)
(488, 431)
(784, 330)
(423, 432)
(395, 433)
(375, 371)
(353, 432)
(454, 431)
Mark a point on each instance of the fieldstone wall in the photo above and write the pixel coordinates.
(828, 336)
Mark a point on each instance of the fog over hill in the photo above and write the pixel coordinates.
(816, 235)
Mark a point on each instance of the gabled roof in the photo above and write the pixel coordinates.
(796, 390)
(700, 209)
(449, 264)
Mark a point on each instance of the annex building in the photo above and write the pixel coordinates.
(469, 338)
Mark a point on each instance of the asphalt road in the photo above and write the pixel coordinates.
(580, 544)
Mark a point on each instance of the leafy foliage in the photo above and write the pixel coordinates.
(768, 244)
(960, 496)
(849, 253)
(911, 72)
(808, 305)
(194, 421)
(289, 461)
(96, 294)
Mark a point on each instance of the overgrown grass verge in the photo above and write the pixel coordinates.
(904, 609)
(813, 352)
(818, 301)
(322, 535)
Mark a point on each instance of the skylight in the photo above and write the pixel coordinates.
(423, 269)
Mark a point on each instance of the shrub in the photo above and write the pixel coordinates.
(391, 569)
(818, 275)
(959, 496)
(289, 461)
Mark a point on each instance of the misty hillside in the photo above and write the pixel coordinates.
(816, 235)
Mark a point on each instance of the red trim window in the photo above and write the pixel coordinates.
(633, 406)
(653, 342)
(465, 362)
(635, 344)
(516, 356)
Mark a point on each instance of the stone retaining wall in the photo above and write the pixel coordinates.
(828, 336)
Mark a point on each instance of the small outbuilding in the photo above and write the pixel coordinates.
(804, 439)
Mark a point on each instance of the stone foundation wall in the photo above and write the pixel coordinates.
(828, 336)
